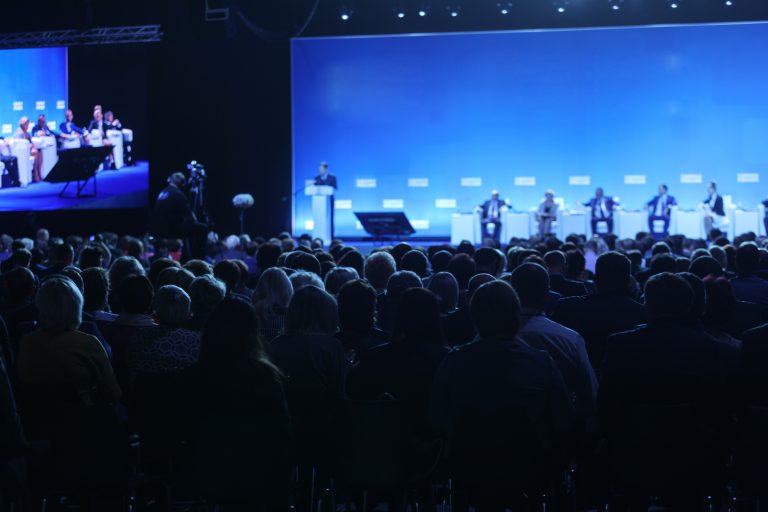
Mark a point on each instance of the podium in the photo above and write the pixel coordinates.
(322, 211)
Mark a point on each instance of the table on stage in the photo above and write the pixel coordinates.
(515, 225)
(687, 222)
(629, 223)
(747, 220)
(572, 222)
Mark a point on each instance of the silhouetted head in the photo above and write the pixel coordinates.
(495, 311)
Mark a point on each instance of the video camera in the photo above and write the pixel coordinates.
(197, 175)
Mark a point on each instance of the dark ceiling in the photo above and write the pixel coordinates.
(279, 19)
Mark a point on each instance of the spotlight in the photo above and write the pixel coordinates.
(561, 5)
(728, 3)
(504, 7)
(674, 4)
(615, 5)
(423, 8)
(345, 13)
(454, 9)
(399, 9)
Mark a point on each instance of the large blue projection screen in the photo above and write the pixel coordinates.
(429, 124)
(32, 82)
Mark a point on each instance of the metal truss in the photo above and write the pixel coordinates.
(101, 35)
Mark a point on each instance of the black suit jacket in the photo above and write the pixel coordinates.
(664, 363)
(598, 316)
(486, 207)
(566, 287)
(329, 181)
(754, 366)
(404, 369)
(718, 208)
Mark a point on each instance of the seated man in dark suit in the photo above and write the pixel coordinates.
(653, 371)
(660, 209)
(567, 348)
(556, 262)
(601, 210)
(490, 219)
(41, 128)
(68, 130)
(747, 286)
(669, 349)
(608, 311)
(497, 370)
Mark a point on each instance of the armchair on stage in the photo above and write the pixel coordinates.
(468, 226)
(322, 210)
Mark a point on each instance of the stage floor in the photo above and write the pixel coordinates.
(124, 188)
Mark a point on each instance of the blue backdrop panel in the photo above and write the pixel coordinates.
(429, 124)
(32, 82)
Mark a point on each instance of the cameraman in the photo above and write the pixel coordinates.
(173, 218)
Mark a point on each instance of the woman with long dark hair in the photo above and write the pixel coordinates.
(244, 441)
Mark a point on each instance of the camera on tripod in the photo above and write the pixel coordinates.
(197, 175)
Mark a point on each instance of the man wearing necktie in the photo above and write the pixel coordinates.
(601, 208)
(660, 209)
(491, 216)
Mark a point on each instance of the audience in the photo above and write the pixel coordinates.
(405, 368)
(665, 361)
(59, 365)
(205, 292)
(747, 286)
(272, 348)
(312, 360)
(566, 347)
(357, 319)
(167, 347)
(270, 300)
(498, 371)
(609, 310)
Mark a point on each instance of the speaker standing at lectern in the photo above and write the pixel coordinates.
(324, 178)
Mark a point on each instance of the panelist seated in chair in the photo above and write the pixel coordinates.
(547, 213)
(660, 209)
(41, 128)
(601, 208)
(490, 219)
(111, 121)
(68, 130)
(23, 133)
(714, 210)
(99, 124)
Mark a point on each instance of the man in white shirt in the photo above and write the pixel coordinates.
(566, 347)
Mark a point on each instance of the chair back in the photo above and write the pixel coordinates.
(506, 450)
(370, 445)
(662, 450)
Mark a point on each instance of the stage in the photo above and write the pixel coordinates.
(124, 188)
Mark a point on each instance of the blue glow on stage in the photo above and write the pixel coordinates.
(125, 188)
(429, 124)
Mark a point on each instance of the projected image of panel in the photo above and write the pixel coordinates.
(56, 156)
(430, 124)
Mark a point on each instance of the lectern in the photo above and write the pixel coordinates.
(322, 213)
